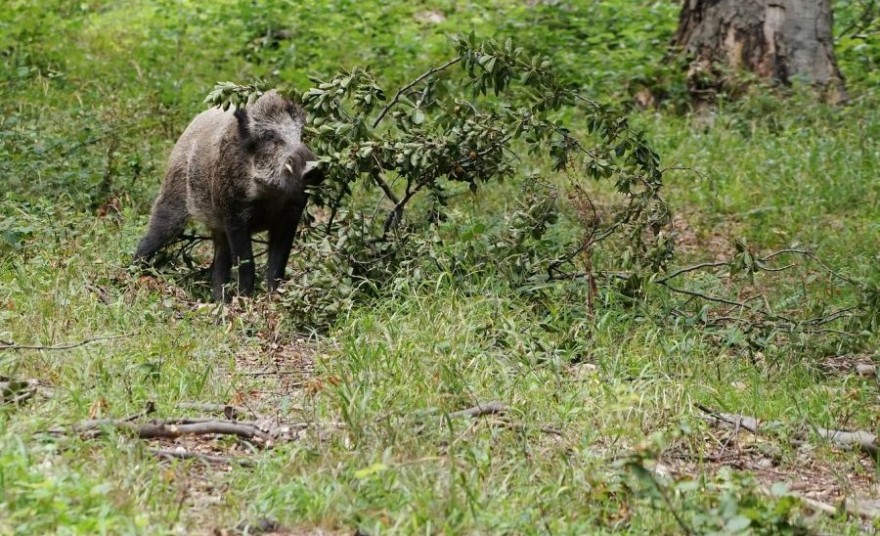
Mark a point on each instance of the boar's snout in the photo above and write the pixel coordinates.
(302, 166)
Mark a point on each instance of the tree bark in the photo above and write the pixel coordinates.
(776, 39)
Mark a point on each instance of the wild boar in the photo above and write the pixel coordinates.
(238, 172)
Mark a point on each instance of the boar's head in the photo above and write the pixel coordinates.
(270, 130)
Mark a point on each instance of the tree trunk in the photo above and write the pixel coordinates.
(775, 39)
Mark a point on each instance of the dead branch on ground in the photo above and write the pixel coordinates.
(862, 440)
(169, 430)
(484, 408)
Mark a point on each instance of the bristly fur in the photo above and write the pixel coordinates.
(273, 114)
(237, 172)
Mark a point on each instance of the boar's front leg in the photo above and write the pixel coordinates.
(239, 235)
(221, 267)
(280, 241)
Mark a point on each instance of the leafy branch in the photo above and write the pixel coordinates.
(230, 94)
(792, 317)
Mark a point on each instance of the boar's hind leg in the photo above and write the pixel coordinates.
(167, 221)
(239, 237)
(221, 267)
(280, 241)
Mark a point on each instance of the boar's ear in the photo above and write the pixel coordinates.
(244, 132)
(312, 173)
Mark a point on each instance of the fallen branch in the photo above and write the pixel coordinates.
(818, 506)
(494, 407)
(161, 429)
(65, 346)
(864, 441)
(863, 508)
(485, 408)
(184, 455)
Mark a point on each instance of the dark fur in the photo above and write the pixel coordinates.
(238, 173)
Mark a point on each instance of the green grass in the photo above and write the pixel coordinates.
(97, 93)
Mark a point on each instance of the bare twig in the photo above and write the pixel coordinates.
(831, 317)
(718, 299)
(101, 293)
(812, 256)
(731, 419)
(65, 346)
(760, 262)
(864, 441)
(591, 102)
(692, 269)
